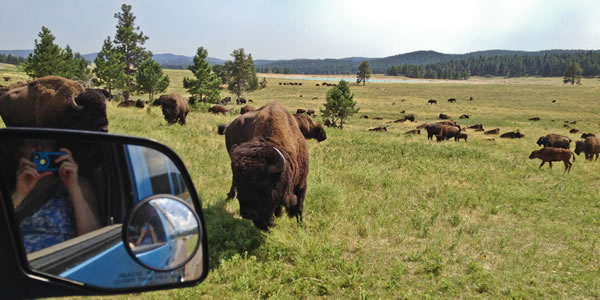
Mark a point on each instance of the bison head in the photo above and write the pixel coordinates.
(543, 140)
(534, 154)
(318, 133)
(259, 171)
(579, 147)
(169, 109)
(88, 112)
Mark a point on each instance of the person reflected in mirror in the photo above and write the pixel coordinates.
(147, 235)
(51, 206)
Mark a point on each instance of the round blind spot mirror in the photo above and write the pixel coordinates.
(163, 233)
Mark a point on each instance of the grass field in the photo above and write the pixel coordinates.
(394, 216)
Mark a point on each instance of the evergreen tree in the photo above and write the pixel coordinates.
(128, 42)
(206, 85)
(340, 104)
(242, 73)
(219, 70)
(364, 72)
(150, 78)
(573, 74)
(46, 58)
(110, 69)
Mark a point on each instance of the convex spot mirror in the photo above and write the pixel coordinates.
(163, 233)
(69, 219)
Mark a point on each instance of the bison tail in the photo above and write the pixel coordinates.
(222, 128)
(573, 154)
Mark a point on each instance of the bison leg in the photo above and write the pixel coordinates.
(550, 163)
(567, 166)
(231, 193)
(300, 194)
(543, 162)
(596, 156)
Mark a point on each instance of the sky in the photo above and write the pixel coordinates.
(288, 29)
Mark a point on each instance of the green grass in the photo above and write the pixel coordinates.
(395, 216)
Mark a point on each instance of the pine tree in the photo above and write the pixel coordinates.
(241, 73)
(206, 85)
(364, 72)
(46, 58)
(340, 104)
(573, 74)
(128, 43)
(110, 70)
(150, 78)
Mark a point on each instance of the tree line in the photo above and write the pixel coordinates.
(11, 59)
(124, 66)
(548, 65)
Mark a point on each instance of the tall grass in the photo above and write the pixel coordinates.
(395, 216)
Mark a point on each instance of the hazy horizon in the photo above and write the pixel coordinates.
(336, 29)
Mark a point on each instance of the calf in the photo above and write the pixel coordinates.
(462, 136)
(550, 154)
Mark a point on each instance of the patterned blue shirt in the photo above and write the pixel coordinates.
(52, 223)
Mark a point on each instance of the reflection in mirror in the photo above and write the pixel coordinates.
(163, 233)
(71, 198)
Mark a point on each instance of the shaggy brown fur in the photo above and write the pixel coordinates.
(175, 109)
(447, 132)
(493, 131)
(218, 109)
(54, 102)
(550, 154)
(247, 108)
(310, 129)
(512, 135)
(554, 140)
(250, 140)
(434, 129)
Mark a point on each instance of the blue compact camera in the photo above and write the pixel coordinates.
(45, 161)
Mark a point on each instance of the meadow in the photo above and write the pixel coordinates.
(394, 216)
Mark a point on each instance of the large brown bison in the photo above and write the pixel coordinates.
(175, 108)
(493, 131)
(512, 135)
(54, 102)
(447, 132)
(554, 140)
(434, 129)
(310, 129)
(550, 154)
(218, 109)
(269, 162)
(590, 147)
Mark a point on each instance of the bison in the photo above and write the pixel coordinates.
(452, 100)
(447, 132)
(534, 119)
(493, 131)
(512, 135)
(476, 126)
(240, 101)
(434, 129)
(586, 135)
(444, 117)
(432, 101)
(127, 103)
(464, 117)
(300, 111)
(218, 109)
(269, 163)
(379, 129)
(175, 109)
(310, 129)
(54, 102)
(310, 112)
(463, 136)
(590, 147)
(554, 140)
(550, 154)
(573, 130)
(410, 117)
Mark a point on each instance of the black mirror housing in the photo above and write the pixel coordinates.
(116, 174)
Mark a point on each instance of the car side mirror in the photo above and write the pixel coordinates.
(98, 213)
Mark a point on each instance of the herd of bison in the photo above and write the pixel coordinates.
(266, 145)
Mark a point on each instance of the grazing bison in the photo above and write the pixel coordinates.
(410, 117)
(269, 162)
(452, 100)
(493, 131)
(444, 117)
(554, 140)
(432, 101)
(585, 135)
(225, 100)
(218, 109)
(573, 130)
(310, 129)
(590, 147)
(300, 111)
(242, 101)
(54, 102)
(550, 154)
(175, 109)
(512, 135)
(379, 129)
(247, 108)
(447, 132)
(463, 136)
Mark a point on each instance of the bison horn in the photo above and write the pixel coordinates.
(279, 165)
(74, 105)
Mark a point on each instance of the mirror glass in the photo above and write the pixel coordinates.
(163, 233)
(72, 197)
